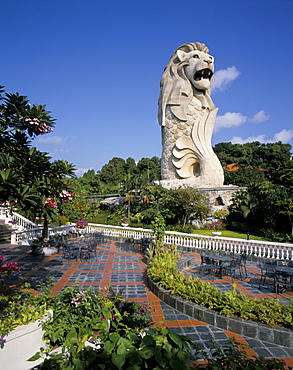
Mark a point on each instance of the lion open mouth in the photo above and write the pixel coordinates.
(203, 74)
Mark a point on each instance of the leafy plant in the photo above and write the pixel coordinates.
(19, 307)
(157, 349)
(87, 312)
(234, 356)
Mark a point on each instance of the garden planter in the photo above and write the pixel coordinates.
(21, 344)
(217, 233)
(124, 224)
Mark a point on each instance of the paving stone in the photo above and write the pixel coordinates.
(36, 279)
(125, 266)
(131, 291)
(87, 277)
(126, 277)
(261, 351)
(91, 266)
(123, 258)
(56, 267)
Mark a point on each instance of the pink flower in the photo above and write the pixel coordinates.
(75, 302)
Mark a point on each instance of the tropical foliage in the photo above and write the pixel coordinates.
(29, 181)
(249, 163)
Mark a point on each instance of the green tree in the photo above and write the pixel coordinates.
(188, 204)
(286, 208)
(113, 172)
(269, 161)
(28, 180)
(150, 168)
(90, 182)
(263, 207)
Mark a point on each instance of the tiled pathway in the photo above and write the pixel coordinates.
(121, 265)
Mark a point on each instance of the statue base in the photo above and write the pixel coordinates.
(220, 197)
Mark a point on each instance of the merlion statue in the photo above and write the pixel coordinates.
(187, 116)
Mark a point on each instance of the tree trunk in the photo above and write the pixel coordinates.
(45, 232)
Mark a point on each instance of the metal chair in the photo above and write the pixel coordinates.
(69, 252)
(267, 270)
(230, 267)
(90, 251)
(284, 279)
(207, 264)
(243, 260)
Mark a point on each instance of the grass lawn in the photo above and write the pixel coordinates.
(101, 218)
(228, 234)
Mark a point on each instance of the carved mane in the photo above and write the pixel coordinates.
(176, 89)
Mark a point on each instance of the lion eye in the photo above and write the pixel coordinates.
(195, 56)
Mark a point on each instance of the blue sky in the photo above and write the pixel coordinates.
(97, 66)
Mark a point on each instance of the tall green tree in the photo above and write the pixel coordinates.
(256, 162)
(188, 204)
(28, 179)
(113, 172)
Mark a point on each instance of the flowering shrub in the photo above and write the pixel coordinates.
(215, 225)
(7, 269)
(94, 314)
(124, 220)
(81, 224)
(66, 196)
(50, 203)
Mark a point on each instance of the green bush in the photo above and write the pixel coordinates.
(234, 356)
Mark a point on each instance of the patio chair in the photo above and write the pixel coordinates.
(230, 267)
(69, 252)
(99, 240)
(208, 265)
(243, 260)
(145, 243)
(90, 251)
(267, 270)
(284, 279)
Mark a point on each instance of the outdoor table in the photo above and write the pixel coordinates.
(286, 269)
(219, 260)
(78, 248)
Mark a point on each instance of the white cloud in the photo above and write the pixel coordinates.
(229, 119)
(285, 136)
(261, 116)
(239, 140)
(54, 140)
(223, 77)
(80, 171)
(61, 150)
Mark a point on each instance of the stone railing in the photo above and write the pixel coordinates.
(187, 242)
(17, 221)
(27, 236)
(191, 242)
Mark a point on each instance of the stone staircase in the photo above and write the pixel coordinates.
(5, 233)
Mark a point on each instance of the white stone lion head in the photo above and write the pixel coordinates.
(189, 73)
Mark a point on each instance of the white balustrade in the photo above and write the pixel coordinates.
(196, 241)
(17, 221)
